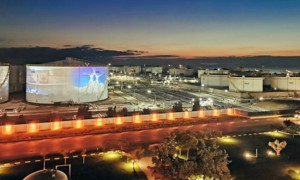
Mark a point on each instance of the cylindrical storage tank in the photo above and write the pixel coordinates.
(246, 84)
(286, 83)
(4, 80)
(214, 80)
(47, 175)
(65, 84)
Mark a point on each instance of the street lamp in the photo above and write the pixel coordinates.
(149, 91)
(129, 87)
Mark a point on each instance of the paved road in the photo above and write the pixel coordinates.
(9, 151)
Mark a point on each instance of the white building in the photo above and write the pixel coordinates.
(285, 83)
(246, 84)
(132, 69)
(153, 69)
(181, 72)
(117, 69)
(215, 80)
(126, 69)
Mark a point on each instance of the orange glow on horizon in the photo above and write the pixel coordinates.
(170, 116)
(136, 118)
(186, 115)
(78, 123)
(119, 120)
(56, 125)
(201, 114)
(99, 122)
(154, 117)
(32, 127)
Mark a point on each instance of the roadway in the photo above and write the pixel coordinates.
(25, 149)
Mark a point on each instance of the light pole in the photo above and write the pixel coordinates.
(129, 87)
(149, 91)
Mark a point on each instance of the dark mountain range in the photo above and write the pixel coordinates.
(31, 55)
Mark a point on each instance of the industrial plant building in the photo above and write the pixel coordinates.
(212, 71)
(181, 71)
(153, 69)
(125, 69)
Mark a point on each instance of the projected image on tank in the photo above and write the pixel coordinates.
(89, 80)
(50, 85)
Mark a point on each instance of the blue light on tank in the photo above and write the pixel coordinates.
(83, 76)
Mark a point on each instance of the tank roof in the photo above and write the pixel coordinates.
(47, 174)
(69, 61)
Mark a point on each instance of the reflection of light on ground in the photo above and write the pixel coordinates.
(3, 168)
(228, 140)
(111, 155)
(275, 134)
(247, 155)
(128, 166)
(270, 153)
(292, 171)
(201, 177)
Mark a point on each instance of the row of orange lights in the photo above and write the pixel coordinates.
(56, 125)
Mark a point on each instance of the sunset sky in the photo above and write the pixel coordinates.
(186, 28)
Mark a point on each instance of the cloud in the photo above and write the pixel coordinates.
(27, 55)
(5, 40)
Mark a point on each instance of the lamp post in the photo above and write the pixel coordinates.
(129, 87)
(149, 91)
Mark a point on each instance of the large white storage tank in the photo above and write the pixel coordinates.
(246, 84)
(60, 84)
(4, 81)
(214, 80)
(286, 83)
